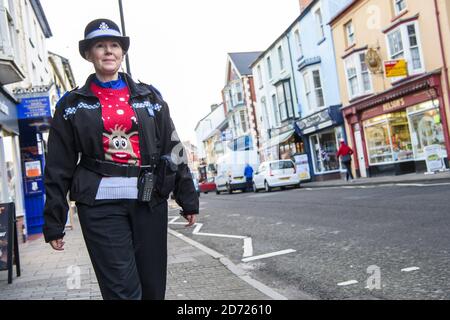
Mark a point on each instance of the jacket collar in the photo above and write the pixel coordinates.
(136, 90)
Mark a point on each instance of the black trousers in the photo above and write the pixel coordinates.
(348, 166)
(127, 244)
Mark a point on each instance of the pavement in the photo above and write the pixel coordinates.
(195, 272)
(411, 178)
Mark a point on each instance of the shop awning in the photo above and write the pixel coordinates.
(279, 139)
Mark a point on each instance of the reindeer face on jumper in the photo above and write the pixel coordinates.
(119, 145)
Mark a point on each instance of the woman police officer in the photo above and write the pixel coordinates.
(131, 160)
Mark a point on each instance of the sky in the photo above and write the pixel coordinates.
(179, 46)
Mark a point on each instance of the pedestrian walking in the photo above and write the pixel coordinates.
(248, 173)
(129, 164)
(346, 153)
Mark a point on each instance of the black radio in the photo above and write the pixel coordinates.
(145, 186)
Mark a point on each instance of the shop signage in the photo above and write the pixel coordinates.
(399, 103)
(314, 120)
(433, 158)
(37, 107)
(302, 164)
(396, 68)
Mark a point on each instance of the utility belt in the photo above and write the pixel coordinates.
(146, 174)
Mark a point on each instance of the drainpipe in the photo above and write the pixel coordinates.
(446, 78)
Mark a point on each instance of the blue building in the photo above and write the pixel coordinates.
(321, 125)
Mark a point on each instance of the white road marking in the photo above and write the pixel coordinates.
(268, 255)
(278, 223)
(248, 247)
(234, 215)
(200, 225)
(347, 283)
(410, 269)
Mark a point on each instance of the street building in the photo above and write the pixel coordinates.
(31, 80)
(239, 102)
(298, 93)
(394, 84)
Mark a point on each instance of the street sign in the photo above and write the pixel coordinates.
(396, 68)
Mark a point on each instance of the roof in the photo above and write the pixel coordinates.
(342, 12)
(305, 11)
(43, 22)
(243, 60)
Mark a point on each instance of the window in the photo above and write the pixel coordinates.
(359, 81)
(243, 121)
(313, 89)
(238, 93)
(269, 67)
(404, 43)
(399, 6)
(285, 101)
(307, 90)
(260, 79)
(299, 43)
(281, 57)
(276, 112)
(350, 33)
(319, 24)
(318, 89)
(265, 120)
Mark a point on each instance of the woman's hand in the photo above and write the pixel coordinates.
(190, 218)
(57, 244)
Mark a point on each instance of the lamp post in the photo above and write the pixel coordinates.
(122, 20)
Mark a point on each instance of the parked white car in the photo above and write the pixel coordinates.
(273, 174)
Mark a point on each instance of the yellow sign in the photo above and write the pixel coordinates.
(396, 68)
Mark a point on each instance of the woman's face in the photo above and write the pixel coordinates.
(106, 56)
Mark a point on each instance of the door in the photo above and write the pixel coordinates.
(360, 152)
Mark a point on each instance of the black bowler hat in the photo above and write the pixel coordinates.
(102, 28)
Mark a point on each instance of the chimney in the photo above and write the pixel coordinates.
(304, 4)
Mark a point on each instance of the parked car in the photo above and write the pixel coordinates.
(207, 186)
(273, 174)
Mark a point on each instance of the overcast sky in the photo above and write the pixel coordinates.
(179, 46)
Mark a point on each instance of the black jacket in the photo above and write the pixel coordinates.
(77, 128)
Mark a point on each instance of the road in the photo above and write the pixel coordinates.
(355, 242)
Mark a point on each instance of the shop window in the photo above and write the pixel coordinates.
(426, 128)
(324, 148)
(388, 139)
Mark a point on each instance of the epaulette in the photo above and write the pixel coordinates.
(153, 90)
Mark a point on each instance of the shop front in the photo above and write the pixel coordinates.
(321, 132)
(391, 130)
(10, 168)
(283, 144)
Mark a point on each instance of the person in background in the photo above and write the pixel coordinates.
(248, 173)
(346, 153)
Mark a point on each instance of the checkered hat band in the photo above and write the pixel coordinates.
(103, 33)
